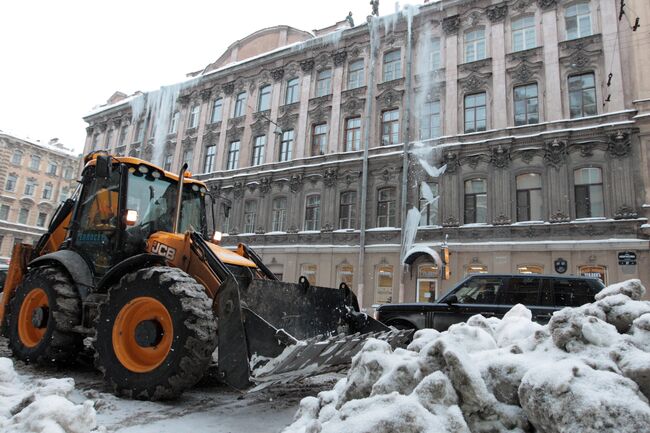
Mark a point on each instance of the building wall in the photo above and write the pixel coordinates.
(17, 199)
(613, 139)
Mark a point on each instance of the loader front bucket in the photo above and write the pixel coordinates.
(290, 331)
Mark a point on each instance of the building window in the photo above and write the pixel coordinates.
(139, 132)
(279, 214)
(582, 95)
(428, 204)
(384, 290)
(67, 173)
(348, 210)
(578, 21)
(318, 139)
(309, 271)
(593, 271)
(258, 150)
(10, 185)
(352, 134)
(390, 127)
(392, 69)
(109, 138)
(475, 201)
(233, 156)
(344, 274)
(173, 122)
(4, 212)
(40, 221)
(23, 215)
(476, 268)
(475, 113)
(530, 269)
(324, 83)
(312, 212)
(30, 187)
(474, 45)
(17, 157)
(52, 168)
(208, 164)
(217, 110)
(167, 165)
(292, 94)
(250, 214)
(526, 107)
(523, 33)
(195, 112)
(529, 197)
(386, 207)
(188, 156)
(63, 196)
(35, 163)
(355, 74)
(264, 100)
(286, 145)
(430, 120)
(589, 192)
(240, 105)
(47, 191)
(122, 138)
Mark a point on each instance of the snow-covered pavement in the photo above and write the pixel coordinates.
(78, 401)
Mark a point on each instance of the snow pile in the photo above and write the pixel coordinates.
(40, 406)
(588, 370)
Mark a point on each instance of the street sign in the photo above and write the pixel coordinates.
(627, 258)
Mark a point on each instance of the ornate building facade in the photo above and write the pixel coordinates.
(34, 179)
(512, 126)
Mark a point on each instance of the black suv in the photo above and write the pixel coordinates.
(493, 296)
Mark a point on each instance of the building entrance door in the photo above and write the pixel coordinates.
(427, 290)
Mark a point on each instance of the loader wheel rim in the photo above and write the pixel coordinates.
(136, 347)
(33, 317)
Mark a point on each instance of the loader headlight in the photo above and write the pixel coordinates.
(131, 217)
(216, 238)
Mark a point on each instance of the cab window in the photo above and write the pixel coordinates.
(481, 290)
(521, 290)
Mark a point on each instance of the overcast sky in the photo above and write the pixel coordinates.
(61, 58)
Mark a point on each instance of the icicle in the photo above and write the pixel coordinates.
(410, 231)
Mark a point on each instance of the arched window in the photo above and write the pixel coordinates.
(589, 192)
(348, 210)
(195, 111)
(474, 47)
(577, 20)
(529, 197)
(312, 212)
(309, 271)
(324, 82)
(250, 215)
(279, 214)
(475, 201)
(217, 110)
(523, 33)
(264, 100)
(344, 274)
(386, 207)
(233, 156)
(355, 74)
(292, 93)
(392, 68)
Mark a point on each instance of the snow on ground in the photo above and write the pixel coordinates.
(81, 402)
(587, 371)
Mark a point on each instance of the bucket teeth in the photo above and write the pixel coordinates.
(319, 355)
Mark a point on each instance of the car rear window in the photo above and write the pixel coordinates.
(521, 290)
(571, 293)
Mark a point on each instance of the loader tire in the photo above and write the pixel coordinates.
(155, 334)
(42, 313)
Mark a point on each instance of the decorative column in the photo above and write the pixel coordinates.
(497, 14)
(450, 27)
(553, 101)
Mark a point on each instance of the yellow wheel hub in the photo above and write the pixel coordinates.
(33, 317)
(142, 334)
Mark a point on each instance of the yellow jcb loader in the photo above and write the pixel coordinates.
(127, 261)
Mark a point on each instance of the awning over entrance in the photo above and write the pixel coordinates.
(420, 250)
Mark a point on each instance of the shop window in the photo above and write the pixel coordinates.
(384, 284)
(427, 283)
(309, 271)
(344, 274)
(595, 271)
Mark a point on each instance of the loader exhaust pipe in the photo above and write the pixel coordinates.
(179, 198)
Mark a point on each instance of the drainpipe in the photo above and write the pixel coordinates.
(405, 156)
(364, 170)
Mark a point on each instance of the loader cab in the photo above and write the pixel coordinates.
(120, 208)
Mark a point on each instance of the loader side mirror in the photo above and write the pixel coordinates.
(103, 167)
(131, 217)
(216, 238)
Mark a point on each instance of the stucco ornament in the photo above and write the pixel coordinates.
(307, 65)
(502, 220)
(265, 185)
(238, 190)
(625, 212)
(339, 57)
(450, 222)
(228, 88)
(619, 144)
(555, 153)
(522, 73)
(452, 162)
(295, 183)
(559, 217)
(547, 4)
(500, 157)
(450, 24)
(528, 155)
(473, 83)
(330, 177)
